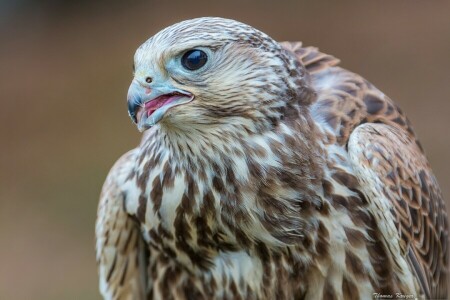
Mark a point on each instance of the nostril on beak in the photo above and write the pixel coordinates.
(148, 79)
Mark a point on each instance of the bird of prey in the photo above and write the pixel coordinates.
(265, 171)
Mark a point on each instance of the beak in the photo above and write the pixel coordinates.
(147, 105)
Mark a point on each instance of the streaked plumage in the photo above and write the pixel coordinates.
(284, 177)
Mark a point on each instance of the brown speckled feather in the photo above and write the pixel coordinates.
(313, 60)
(384, 142)
(406, 181)
(284, 176)
(122, 254)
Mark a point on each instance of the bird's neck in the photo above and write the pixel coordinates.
(238, 161)
(216, 139)
(204, 142)
(231, 191)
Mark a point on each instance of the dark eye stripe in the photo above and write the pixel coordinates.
(194, 59)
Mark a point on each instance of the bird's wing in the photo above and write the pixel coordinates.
(313, 60)
(399, 181)
(121, 251)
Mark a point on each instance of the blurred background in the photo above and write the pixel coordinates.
(65, 67)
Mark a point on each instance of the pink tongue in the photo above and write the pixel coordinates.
(153, 105)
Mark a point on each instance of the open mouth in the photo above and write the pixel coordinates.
(153, 110)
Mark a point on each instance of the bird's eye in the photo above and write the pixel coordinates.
(194, 59)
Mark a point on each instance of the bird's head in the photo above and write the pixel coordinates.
(212, 71)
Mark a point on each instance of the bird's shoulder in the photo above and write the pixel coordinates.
(118, 239)
(388, 161)
(344, 100)
(406, 195)
(311, 58)
(122, 168)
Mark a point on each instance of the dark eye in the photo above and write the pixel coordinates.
(194, 59)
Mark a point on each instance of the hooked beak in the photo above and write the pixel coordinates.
(148, 105)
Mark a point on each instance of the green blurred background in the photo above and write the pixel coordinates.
(65, 68)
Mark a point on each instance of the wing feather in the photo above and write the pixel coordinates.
(390, 165)
(389, 161)
(121, 251)
(313, 60)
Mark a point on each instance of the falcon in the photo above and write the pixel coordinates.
(265, 171)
